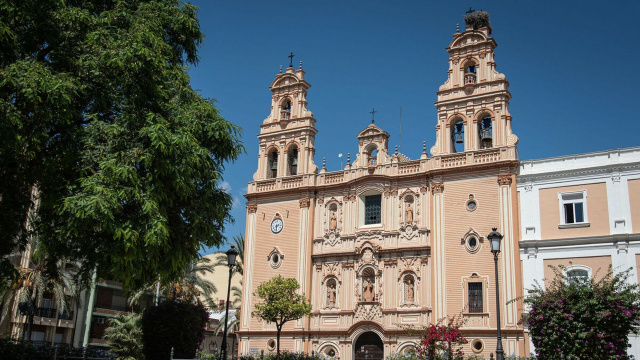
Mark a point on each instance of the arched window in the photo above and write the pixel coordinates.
(372, 157)
(470, 73)
(272, 165)
(578, 273)
(457, 136)
(285, 109)
(485, 132)
(292, 160)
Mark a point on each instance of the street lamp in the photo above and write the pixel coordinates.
(494, 239)
(231, 262)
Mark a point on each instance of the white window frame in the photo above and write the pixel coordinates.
(571, 268)
(573, 197)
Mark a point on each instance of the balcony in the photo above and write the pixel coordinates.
(469, 79)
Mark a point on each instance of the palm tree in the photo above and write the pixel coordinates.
(192, 286)
(33, 282)
(221, 259)
(124, 335)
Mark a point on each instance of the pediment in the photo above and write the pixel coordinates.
(371, 131)
(284, 80)
(468, 38)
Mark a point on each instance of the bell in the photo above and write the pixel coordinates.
(459, 138)
(294, 162)
(274, 166)
(485, 135)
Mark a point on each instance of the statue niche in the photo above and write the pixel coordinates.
(408, 211)
(368, 285)
(332, 232)
(331, 293)
(409, 289)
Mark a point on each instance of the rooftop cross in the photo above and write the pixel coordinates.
(373, 115)
(470, 10)
(291, 59)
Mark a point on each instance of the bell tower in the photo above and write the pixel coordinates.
(287, 135)
(473, 104)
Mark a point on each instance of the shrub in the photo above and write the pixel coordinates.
(587, 319)
(124, 335)
(11, 349)
(442, 340)
(173, 324)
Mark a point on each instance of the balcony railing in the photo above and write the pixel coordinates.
(112, 307)
(469, 78)
(46, 312)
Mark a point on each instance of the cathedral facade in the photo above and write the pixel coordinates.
(389, 243)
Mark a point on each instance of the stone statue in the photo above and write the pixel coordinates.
(331, 294)
(409, 289)
(367, 291)
(333, 223)
(409, 213)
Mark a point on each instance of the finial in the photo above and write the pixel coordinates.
(424, 146)
(324, 162)
(373, 115)
(300, 64)
(348, 158)
(280, 69)
(396, 149)
(457, 28)
(470, 10)
(291, 56)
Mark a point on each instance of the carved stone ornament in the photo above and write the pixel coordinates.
(252, 208)
(437, 187)
(409, 230)
(424, 188)
(320, 200)
(504, 179)
(368, 311)
(331, 237)
(304, 202)
(332, 269)
(408, 264)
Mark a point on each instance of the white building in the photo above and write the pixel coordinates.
(583, 212)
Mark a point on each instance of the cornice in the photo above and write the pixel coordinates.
(588, 240)
(460, 171)
(578, 172)
(350, 254)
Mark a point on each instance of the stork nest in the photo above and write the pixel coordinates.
(478, 19)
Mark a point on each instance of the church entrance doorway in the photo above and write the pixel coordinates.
(369, 347)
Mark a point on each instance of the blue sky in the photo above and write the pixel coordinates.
(572, 68)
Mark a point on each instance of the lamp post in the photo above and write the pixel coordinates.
(495, 238)
(231, 262)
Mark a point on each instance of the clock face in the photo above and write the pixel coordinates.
(276, 226)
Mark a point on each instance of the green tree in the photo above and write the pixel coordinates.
(583, 318)
(192, 286)
(280, 303)
(124, 335)
(100, 122)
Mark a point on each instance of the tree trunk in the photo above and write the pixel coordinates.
(279, 329)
